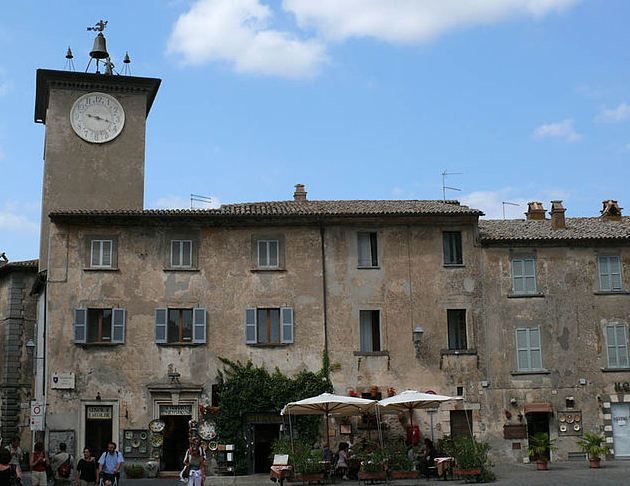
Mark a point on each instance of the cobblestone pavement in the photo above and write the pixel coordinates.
(615, 473)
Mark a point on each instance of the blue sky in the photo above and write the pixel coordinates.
(357, 99)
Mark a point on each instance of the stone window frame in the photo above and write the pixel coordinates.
(611, 289)
(528, 349)
(181, 235)
(616, 325)
(449, 312)
(446, 234)
(87, 245)
(281, 239)
(182, 254)
(373, 247)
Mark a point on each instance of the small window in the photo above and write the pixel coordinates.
(180, 326)
(268, 253)
(524, 275)
(457, 329)
(272, 325)
(610, 273)
(452, 244)
(370, 330)
(367, 249)
(181, 253)
(101, 254)
(99, 326)
(617, 344)
(528, 349)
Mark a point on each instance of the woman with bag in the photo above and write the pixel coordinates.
(194, 465)
(39, 463)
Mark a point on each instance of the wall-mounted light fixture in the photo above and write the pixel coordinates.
(417, 338)
(30, 346)
(513, 401)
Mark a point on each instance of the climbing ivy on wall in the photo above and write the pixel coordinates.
(245, 388)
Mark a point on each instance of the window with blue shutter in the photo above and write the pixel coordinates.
(160, 325)
(528, 349)
(287, 324)
(617, 346)
(524, 275)
(610, 273)
(118, 326)
(80, 326)
(250, 326)
(199, 325)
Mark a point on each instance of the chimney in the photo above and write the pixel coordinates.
(557, 215)
(535, 211)
(611, 210)
(300, 193)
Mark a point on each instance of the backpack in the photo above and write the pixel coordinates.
(64, 469)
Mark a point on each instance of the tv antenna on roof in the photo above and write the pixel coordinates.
(202, 199)
(506, 203)
(444, 186)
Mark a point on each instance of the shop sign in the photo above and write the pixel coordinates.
(62, 381)
(622, 386)
(175, 409)
(99, 413)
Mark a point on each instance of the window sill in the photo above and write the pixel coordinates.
(615, 370)
(457, 352)
(537, 295)
(103, 344)
(269, 345)
(377, 267)
(530, 372)
(179, 345)
(453, 265)
(370, 353)
(100, 269)
(183, 269)
(611, 292)
(267, 270)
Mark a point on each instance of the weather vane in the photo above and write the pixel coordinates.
(99, 26)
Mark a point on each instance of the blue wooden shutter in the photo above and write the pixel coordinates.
(80, 325)
(199, 325)
(250, 326)
(160, 325)
(118, 326)
(286, 316)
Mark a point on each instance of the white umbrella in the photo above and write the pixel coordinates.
(411, 400)
(328, 403)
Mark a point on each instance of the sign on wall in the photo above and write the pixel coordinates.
(98, 412)
(175, 410)
(62, 381)
(38, 410)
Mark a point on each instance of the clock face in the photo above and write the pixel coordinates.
(97, 117)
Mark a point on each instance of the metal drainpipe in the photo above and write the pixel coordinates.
(324, 290)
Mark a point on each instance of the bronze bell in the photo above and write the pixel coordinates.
(99, 50)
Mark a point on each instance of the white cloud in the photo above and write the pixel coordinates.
(237, 31)
(17, 217)
(491, 202)
(410, 21)
(614, 115)
(178, 202)
(562, 129)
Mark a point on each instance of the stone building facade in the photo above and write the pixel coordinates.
(17, 323)
(526, 320)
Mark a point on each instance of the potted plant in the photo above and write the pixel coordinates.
(539, 447)
(308, 467)
(373, 466)
(471, 458)
(400, 465)
(595, 447)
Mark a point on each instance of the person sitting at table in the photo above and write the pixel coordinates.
(342, 461)
(427, 457)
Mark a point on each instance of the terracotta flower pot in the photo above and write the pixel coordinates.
(542, 465)
(405, 474)
(376, 475)
(595, 462)
(467, 472)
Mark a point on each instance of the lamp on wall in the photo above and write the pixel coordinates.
(417, 338)
(30, 345)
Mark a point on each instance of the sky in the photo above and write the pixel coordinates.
(522, 100)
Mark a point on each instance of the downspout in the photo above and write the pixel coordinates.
(324, 300)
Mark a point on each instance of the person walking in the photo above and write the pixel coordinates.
(61, 464)
(9, 474)
(86, 469)
(110, 463)
(38, 463)
(194, 461)
(16, 454)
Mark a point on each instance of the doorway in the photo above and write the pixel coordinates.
(98, 429)
(175, 441)
(264, 437)
(621, 429)
(461, 423)
(538, 422)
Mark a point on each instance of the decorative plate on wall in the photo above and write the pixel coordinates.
(157, 425)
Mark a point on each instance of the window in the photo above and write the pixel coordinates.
(268, 253)
(457, 329)
(524, 275)
(609, 273)
(370, 330)
(180, 326)
(617, 344)
(367, 249)
(99, 326)
(269, 325)
(181, 253)
(461, 423)
(101, 254)
(528, 350)
(452, 244)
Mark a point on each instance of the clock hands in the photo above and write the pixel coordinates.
(98, 117)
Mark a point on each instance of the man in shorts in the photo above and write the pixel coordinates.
(109, 464)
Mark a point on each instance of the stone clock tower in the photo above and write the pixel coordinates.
(95, 142)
